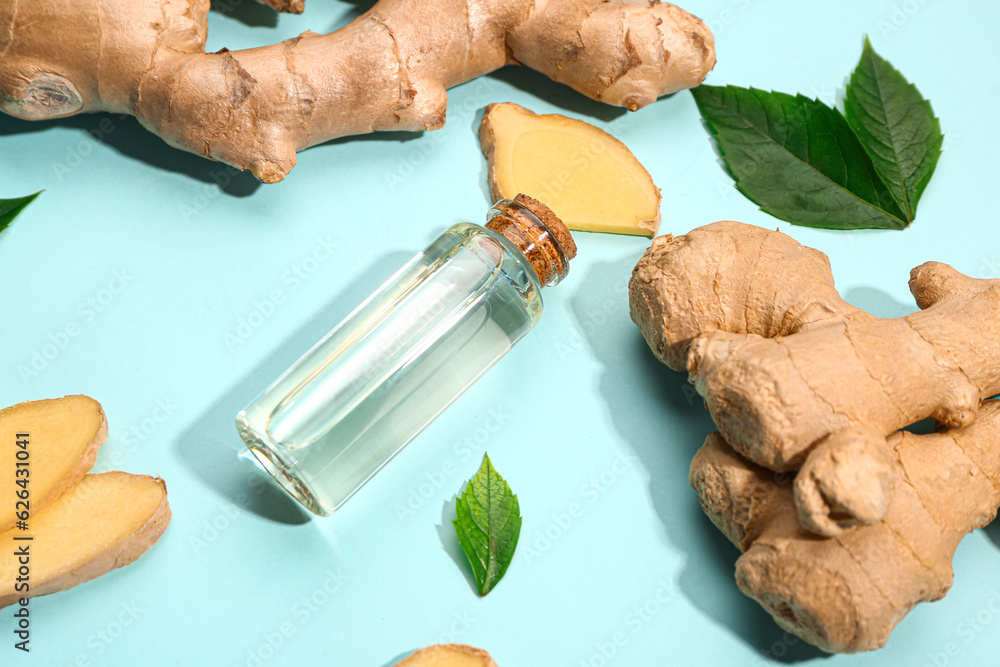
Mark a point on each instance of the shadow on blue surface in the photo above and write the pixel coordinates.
(449, 540)
(211, 448)
(398, 658)
(248, 12)
(125, 135)
(674, 425)
(254, 14)
(992, 531)
(560, 95)
(878, 303)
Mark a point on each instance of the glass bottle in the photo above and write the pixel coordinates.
(376, 380)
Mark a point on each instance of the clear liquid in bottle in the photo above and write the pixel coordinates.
(375, 381)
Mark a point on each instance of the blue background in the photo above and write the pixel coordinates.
(189, 288)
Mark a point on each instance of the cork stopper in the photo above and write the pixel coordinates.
(538, 233)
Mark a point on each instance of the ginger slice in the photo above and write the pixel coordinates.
(586, 176)
(449, 655)
(64, 435)
(106, 521)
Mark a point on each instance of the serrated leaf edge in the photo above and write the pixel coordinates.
(736, 181)
(907, 207)
(492, 569)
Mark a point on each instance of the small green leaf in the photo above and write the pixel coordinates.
(797, 159)
(9, 208)
(896, 126)
(488, 523)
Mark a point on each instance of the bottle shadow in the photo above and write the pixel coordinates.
(664, 421)
(210, 447)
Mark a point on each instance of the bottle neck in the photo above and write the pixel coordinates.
(538, 233)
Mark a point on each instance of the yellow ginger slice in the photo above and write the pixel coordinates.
(587, 177)
(64, 435)
(449, 655)
(106, 521)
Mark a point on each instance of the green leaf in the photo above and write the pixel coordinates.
(9, 208)
(797, 159)
(896, 126)
(488, 523)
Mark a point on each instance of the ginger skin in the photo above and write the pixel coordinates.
(783, 362)
(826, 487)
(846, 594)
(449, 655)
(106, 521)
(386, 70)
(288, 6)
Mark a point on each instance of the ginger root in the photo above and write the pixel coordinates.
(794, 376)
(846, 594)
(846, 481)
(783, 362)
(288, 6)
(386, 70)
(106, 521)
(61, 443)
(448, 655)
(588, 178)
